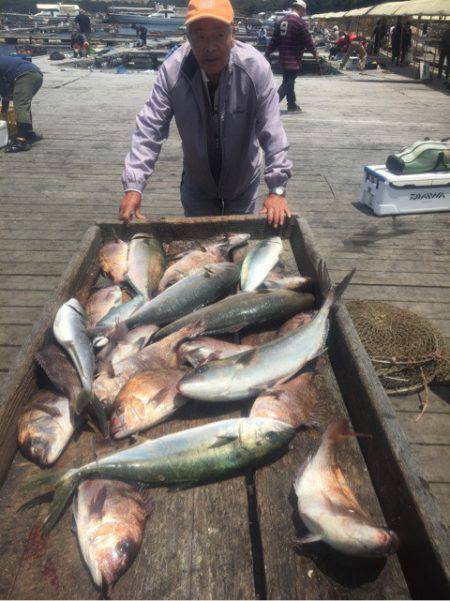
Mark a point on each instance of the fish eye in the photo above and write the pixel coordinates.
(122, 548)
(271, 436)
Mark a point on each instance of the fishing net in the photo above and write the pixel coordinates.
(406, 350)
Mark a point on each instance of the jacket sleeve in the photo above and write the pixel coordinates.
(275, 41)
(152, 129)
(270, 131)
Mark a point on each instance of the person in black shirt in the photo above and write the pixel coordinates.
(20, 80)
(444, 53)
(142, 34)
(84, 23)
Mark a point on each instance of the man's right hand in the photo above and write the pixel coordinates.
(130, 207)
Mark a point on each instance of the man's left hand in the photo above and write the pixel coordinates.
(276, 208)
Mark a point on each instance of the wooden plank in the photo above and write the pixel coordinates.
(441, 492)
(391, 266)
(14, 334)
(439, 401)
(432, 428)
(79, 270)
(407, 504)
(433, 469)
(28, 282)
(27, 268)
(306, 574)
(23, 298)
(408, 293)
(213, 561)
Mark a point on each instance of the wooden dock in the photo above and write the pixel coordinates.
(51, 194)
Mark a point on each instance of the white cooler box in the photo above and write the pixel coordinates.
(3, 134)
(389, 194)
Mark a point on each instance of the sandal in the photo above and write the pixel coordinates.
(17, 146)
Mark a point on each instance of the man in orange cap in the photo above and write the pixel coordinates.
(223, 97)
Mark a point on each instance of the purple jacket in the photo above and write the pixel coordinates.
(291, 37)
(249, 118)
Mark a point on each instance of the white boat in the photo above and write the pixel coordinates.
(53, 13)
(164, 18)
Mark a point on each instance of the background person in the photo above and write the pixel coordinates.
(444, 53)
(291, 37)
(223, 97)
(20, 81)
(84, 24)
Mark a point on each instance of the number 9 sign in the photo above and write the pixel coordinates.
(283, 27)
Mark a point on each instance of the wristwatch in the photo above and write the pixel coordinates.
(279, 191)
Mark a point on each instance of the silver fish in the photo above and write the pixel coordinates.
(146, 262)
(249, 373)
(190, 293)
(259, 261)
(118, 315)
(240, 310)
(212, 451)
(329, 508)
(295, 282)
(69, 328)
(45, 427)
(110, 518)
(193, 260)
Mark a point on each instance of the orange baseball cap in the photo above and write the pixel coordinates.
(213, 9)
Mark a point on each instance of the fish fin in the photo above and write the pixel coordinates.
(308, 538)
(222, 440)
(81, 402)
(181, 486)
(136, 439)
(45, 498)
(238, 327)
(277, 394)
(119, 332)
(246, 358)
(48, 409)
(335, 293)
(64, 484)
(73, 525)
(87, 401)
(98, 502)
(159, 396)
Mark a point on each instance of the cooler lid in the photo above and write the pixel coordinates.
(438, 178)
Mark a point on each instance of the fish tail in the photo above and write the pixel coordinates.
(334, 293)
(87, 401)
(64, 484)
(339, 290)
(64, 490)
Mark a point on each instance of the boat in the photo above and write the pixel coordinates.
(162, 18)
(50, 14)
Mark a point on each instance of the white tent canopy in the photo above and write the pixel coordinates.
(412, 8)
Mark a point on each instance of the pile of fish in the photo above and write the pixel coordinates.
(165, 332)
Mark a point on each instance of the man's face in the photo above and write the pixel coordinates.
(211, 42)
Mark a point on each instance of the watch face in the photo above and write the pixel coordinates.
(280, 191)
